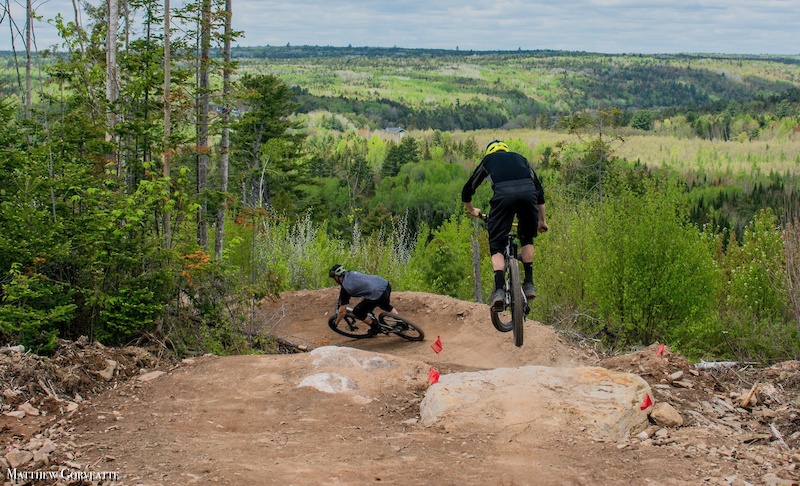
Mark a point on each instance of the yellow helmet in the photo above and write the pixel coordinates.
(494, 146)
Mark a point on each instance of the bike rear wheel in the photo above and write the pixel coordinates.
(402, 326)
(350, 326)
(517, 301)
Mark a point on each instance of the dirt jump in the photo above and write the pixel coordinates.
(248, 419)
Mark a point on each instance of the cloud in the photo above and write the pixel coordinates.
(610, 26)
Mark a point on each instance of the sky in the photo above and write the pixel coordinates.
(604, 26)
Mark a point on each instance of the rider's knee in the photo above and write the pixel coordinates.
(360, 313)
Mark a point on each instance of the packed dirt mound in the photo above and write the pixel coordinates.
(469, 341)
(244, 419)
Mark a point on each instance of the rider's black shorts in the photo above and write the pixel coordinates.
(513, 198)
(362, 308)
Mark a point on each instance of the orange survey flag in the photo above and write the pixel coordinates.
(437, 346)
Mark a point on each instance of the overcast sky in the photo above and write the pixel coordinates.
(607, 26)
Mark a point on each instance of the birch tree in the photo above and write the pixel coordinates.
(202, 121)
(225, 139)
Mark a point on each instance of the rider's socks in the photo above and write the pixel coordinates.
(528, 267)
(498, 279)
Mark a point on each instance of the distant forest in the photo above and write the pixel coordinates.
(537, 89)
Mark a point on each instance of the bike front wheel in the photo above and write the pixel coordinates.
(350, 326)
(517, 301)
(502, 320)
(402, 326)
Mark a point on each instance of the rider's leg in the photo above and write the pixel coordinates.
(527, 262)
(385, 300)
(528, 225)
(362, 311)
(498, 294)
(498, 262)
(374, 327)
(499, 225)
(498, 265)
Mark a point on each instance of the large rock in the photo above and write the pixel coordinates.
(586, 401)
(591, 401)
(335, 369)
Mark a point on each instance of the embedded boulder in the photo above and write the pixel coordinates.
(589, 401)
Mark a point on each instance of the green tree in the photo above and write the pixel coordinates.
(400, 154)
(588, 164)
(265, 142)
(448, 259)
(642, 120)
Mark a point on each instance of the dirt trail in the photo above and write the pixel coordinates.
(243, 420)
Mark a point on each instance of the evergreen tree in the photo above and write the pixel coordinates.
(400, 154)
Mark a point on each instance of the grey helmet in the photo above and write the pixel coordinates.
(336, 271)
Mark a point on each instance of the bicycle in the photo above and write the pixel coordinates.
(515, 304)
(353, 327)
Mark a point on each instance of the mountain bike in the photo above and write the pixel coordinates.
(515, 304)
(352, 326)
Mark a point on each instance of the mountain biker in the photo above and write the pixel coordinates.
(374, 291)
(517, 191)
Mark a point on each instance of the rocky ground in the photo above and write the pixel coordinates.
(97, 415)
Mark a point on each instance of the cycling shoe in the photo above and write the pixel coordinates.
(497, 300)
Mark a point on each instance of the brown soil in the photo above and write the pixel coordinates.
(244, 420)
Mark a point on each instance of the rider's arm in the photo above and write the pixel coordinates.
(539, 201)
(542, 218)
(341, 313)
(472, 210)
(478, 175)
(341, 304)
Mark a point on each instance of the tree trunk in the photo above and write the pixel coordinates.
(78, 23)
(112, 79)
(28, 35)
(167, 128)
(224, 144)
(202, 122)
(126, 14)
(476, 269)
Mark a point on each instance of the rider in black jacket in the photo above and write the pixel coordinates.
(517, 191)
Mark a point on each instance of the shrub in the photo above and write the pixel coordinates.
(754, 307)
(560, 265)
(447, 259)
(33, 307)
(649, 271)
